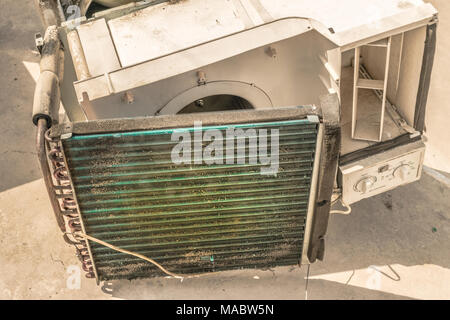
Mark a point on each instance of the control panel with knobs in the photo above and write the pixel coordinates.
(382, 172)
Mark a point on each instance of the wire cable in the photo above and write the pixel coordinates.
(346, 212)
(137, 255)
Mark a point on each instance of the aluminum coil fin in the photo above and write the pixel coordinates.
(190, 218)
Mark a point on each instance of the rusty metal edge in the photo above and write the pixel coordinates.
(88, 246)
(329, 160)
(425, 78)
(42, 155)
(183, 120)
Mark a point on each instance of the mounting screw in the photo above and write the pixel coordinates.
(128, 97)
(39, 41)
(201, 75)
(200, 103)
(271, 52)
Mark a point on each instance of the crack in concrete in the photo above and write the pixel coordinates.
(57, 260)
(19, 151)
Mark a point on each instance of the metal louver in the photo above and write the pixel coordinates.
(191, 218)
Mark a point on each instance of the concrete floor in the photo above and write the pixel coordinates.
(394, 246)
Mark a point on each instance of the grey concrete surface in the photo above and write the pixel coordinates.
(393, 246)
(18, 24)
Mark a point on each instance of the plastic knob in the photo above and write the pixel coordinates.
(402, 172)
(365, 184)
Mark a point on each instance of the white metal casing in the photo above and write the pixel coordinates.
(154, 44)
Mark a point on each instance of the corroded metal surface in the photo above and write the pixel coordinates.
(190, 218)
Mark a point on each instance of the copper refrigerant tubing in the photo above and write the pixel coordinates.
(58, 185)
